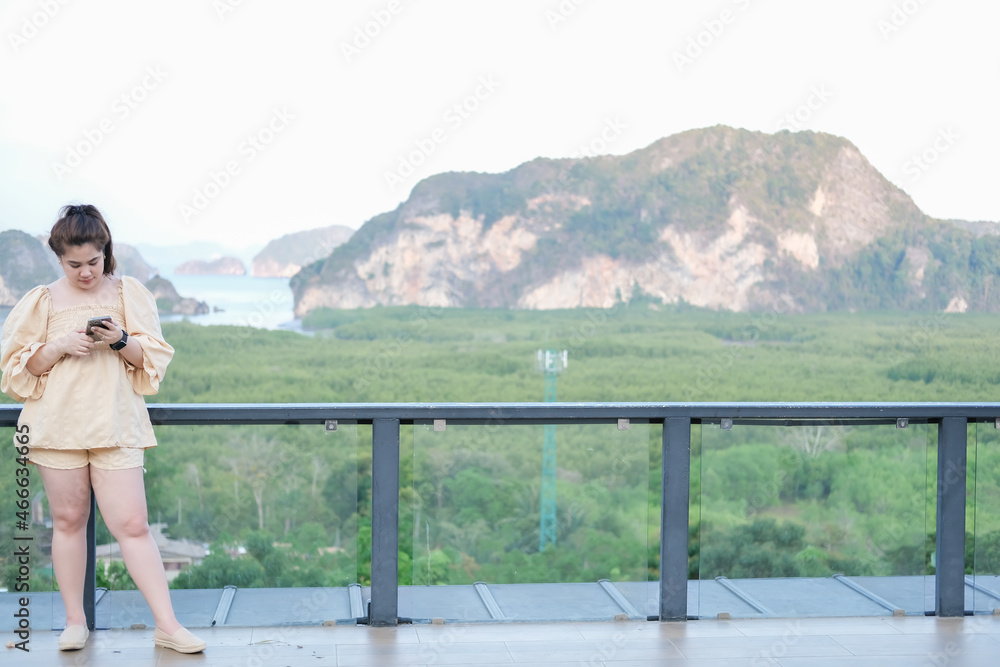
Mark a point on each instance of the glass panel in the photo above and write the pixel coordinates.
(695, 519)
(247, 506)
(533, 504)
(650, 599)
(814, 520)
(986, 526)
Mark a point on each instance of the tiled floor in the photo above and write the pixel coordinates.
(843, 642)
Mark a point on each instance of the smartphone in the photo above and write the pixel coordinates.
(97, 322)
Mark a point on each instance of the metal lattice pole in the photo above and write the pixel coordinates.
(551, 362)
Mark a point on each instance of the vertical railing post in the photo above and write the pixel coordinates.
(385, 522)
(949, 599)
(90, 574)
(674, 503)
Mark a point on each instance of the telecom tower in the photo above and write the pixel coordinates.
(550, 362)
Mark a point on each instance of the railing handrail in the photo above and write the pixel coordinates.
(547, 413)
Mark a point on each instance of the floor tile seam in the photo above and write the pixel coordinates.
(885, 622)
(677, 648)
(834, 639)
(992, 638)
(741, 627)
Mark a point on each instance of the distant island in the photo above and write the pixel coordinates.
(224, 266)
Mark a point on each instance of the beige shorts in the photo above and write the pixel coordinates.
(105, 458)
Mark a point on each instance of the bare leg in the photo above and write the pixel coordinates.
(121, 495)
(68, 492)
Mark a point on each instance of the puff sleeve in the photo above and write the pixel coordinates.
(143, 323)
(24, 332)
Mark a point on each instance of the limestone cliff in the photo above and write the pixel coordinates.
(719, 218)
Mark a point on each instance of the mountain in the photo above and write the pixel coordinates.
(131, 263)
(717, 217)
(224, 266)
(168, 257)
(285, 256)
(27, 261)
(169, 301)
(128, 258)
(24, 263)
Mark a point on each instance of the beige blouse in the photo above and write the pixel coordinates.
(84, 402)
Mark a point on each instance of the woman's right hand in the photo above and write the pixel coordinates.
(75, 343)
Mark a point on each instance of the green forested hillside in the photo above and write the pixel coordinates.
(766, 501)
(621, 354)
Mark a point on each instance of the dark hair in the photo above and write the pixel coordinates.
(80, 225)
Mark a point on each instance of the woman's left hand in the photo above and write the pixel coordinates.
(110, 333)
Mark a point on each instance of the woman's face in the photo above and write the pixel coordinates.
(83, 265)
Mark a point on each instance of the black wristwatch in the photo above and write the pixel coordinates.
(120, 344)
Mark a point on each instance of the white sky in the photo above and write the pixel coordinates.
(899, 78)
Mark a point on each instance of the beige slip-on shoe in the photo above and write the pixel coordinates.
(181, 641)
(73, 637)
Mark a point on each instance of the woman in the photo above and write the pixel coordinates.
(86, 418)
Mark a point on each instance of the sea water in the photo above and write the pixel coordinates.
(264, 303)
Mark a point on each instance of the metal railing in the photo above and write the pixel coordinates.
(951, 419)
